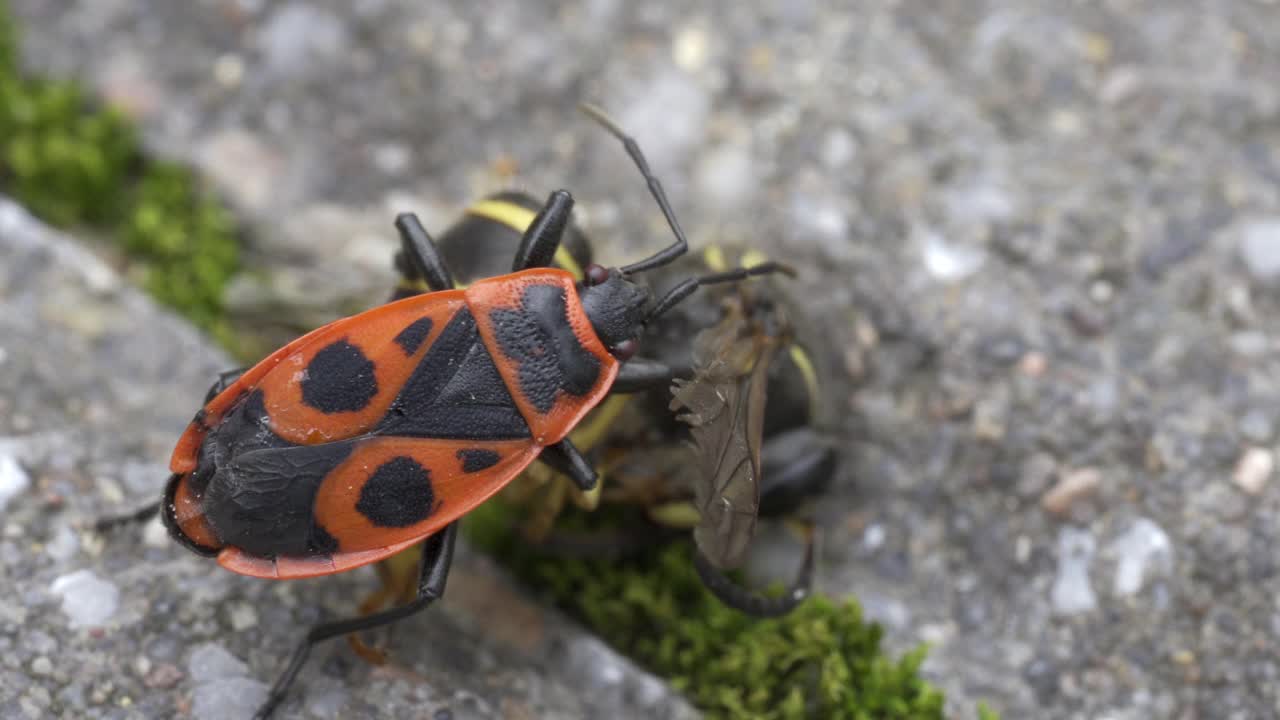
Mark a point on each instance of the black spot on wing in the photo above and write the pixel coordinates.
(398, 494)
(455, 392)
(262, 501)
(410, 338)
(539, 338)
(477, 459)
(339, 379)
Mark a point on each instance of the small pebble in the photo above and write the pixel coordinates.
(1036, 474)
(946, 261)
(1072, 487)
(690, 49)
(243, 617)
(1072, 593)
(87, 599)
(1254, 469)
(1143, 550)
(154, 534)
(1033, 364)
(1260, 248)
(163, 676)
(228, 70)
(838, 148)
(41, 666)
(212, 661)
(227, 699)
(13, 480)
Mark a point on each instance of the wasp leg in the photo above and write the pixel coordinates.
(796, 465)
(419, 259)
(749, 601)
(540, 240)
(437, 557)
(564, 458)
(638, 375)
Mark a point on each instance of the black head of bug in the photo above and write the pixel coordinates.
(616, 308)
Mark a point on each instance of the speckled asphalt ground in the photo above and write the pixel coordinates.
(1045, 237)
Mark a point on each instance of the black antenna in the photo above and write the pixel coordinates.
(686, 287)
(680, 246)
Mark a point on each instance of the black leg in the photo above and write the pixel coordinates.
(224, 381)
(680, 246)
(141, 515)
(686, 287)
(638, 375)
(420, 257)
(751, 602)
(542, 237)
(437, 556)
(563, 457)
(795, 466)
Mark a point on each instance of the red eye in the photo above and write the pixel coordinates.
(596, 274)
(625, 349)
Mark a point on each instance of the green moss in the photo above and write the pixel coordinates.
(73, 163)
(822, 660)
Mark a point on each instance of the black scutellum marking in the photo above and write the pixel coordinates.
(539, 338)
(455, 392)
(262, 501)
(339, 379)
(410, 338)
(477, 459)
(398, 494)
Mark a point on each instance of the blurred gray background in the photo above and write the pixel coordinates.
(1045, 237)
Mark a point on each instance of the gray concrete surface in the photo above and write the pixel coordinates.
(95, 384)
(1045, 235)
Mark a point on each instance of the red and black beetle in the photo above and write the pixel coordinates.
(380, 430)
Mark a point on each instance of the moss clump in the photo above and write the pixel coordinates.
(75, 164)
(820, 661)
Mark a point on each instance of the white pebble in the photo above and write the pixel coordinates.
(873, 537)
(154, 534)
(1254, 469)
(1071, 592)
(211, 661)
(838, 148)
(87, 599)
(1144, 549)
(946, 261)
(227, 699)
(243, 617)
(13, 480)
(1260, 248)
(690, 48)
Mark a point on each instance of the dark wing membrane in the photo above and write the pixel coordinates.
(724, 406)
